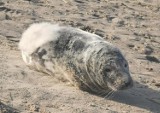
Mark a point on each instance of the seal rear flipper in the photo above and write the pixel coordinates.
(42, 62)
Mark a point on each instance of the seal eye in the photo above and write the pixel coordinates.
(125, 65)
(108, 70)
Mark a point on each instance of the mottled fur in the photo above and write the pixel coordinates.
(85, 59)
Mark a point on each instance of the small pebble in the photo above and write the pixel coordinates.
(153, 81)
(93, 105)
(157, 84)
(149, 69)
(131, 45)
(3, 16)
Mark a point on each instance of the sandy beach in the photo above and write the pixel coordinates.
(131, 25)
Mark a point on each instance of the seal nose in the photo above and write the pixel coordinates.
(129, 83)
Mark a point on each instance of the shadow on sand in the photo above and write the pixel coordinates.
(7, 109)
(139, 96)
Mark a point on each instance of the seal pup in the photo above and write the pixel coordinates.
(85, 59)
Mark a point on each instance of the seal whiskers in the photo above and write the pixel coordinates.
(109, 94)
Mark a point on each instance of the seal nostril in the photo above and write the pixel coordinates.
(129, 83)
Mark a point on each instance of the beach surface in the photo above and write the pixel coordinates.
(131, 25)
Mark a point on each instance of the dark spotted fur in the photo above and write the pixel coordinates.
(68, 52)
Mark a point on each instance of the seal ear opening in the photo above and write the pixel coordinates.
(125, 65)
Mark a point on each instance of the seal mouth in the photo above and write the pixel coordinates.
(120, 84)
(111, 86)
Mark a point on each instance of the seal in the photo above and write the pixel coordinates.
(85, 59)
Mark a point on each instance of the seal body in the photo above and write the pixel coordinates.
(85, 59)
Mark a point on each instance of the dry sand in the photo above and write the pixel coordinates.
(132, 25)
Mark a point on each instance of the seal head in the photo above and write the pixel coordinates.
(109, 68)
(116, 73)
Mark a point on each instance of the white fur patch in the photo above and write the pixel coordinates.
(37, 35)
(27, 58)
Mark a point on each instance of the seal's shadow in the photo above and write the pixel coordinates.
(139, 96)
(7, 109)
